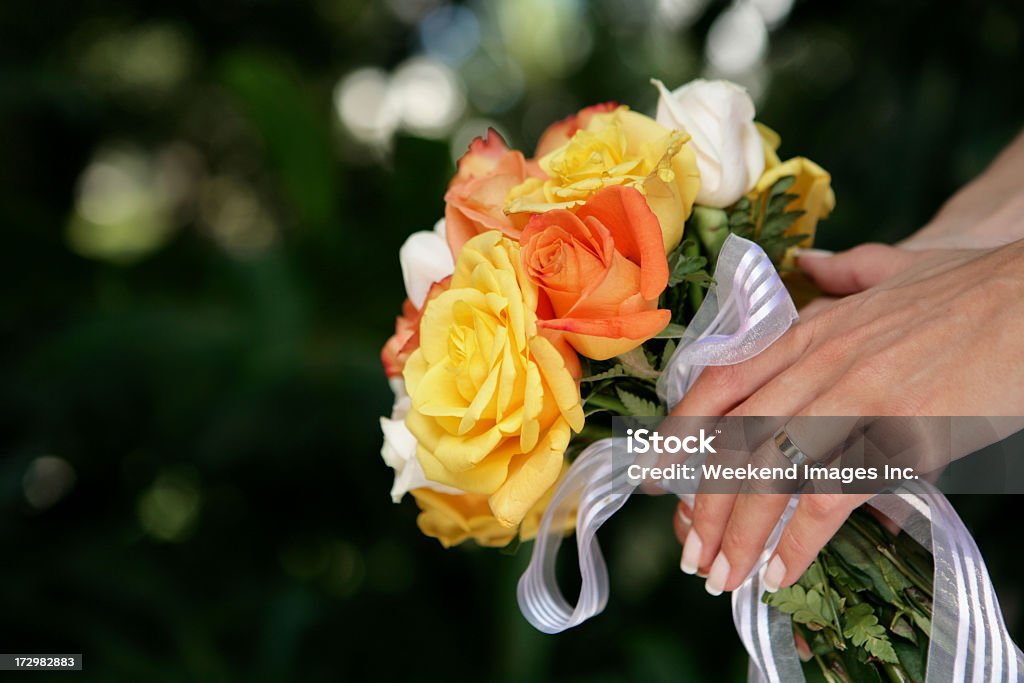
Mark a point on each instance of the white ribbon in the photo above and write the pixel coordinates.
(745, 312)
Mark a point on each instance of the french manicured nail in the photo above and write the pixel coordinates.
(813, 253)
(684, 517)
(718, 575)
(774, 575)
(691, 552)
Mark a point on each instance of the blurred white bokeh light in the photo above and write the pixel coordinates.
(410, 11)
(737, 40)
(363, 104)
(427, 96)
(47, 480)
(423, 96)
(547, 38)
(774, 12)
(129, 199)
(679, 14)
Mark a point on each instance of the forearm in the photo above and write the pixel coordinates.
(987, 212)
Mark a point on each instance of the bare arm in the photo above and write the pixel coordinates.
(987, 212)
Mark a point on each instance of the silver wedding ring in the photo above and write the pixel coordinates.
(788, 448)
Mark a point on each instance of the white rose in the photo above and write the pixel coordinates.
(425, 259)
(719, 116)
(399, 450)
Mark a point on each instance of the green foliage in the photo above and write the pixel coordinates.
(862, 606)
(863, 630)
(805, 605)
(637, 406)
(625, 385)
(766, 219)
(688, 279)
(684, 266)
(256, 374)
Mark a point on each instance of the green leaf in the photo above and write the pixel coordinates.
(776, 226)
(788, 600)
(895, 578)
(700, 278)
(863, 629)
(901, 627)
(614, 371)
(742, 205)
(681, 265)
(781, 185)
(777, 204)
(671, 331)
(740, 218)
(292, 129)
(635, 364)
(638, 407)
(512, 548)
(862, 559)
(666, 353)
(805, 606)
(913, 658)
(844, 578)
(597, 400)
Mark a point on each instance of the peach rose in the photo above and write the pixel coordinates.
(558, 134)
(475, 201)
(617, 148)
(602, 269)
(406, 338)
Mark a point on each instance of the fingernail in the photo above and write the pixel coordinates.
(718, 576)
(774, 575)
(691, 552)
(813, 253)
(684, 516)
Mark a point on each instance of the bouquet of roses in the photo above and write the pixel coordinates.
(551, 296)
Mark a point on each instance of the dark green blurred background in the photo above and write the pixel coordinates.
(201, 206)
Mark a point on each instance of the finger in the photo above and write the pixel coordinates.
(711, 512)
(890, 526)
(682, 524)
(714, 509)
(816, 519)
(720, 388)
(713, 503)
(827, 356)
(816, 306)
(784, 395)
(760, 504)
(682, 521)
(855, 270)
(754, 516)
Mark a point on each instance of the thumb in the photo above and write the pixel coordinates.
(853, 271)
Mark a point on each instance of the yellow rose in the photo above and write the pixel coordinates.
(814, 190)
(771, 142)
(619, 147)
(493, 401)
(452, 519)
(813, 186)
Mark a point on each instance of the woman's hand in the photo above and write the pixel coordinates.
(932, 333)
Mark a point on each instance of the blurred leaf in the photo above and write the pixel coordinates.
(292, 128)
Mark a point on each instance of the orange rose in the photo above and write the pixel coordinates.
(558, 134)
(475, 201)
(406, 338)
(602, 269)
